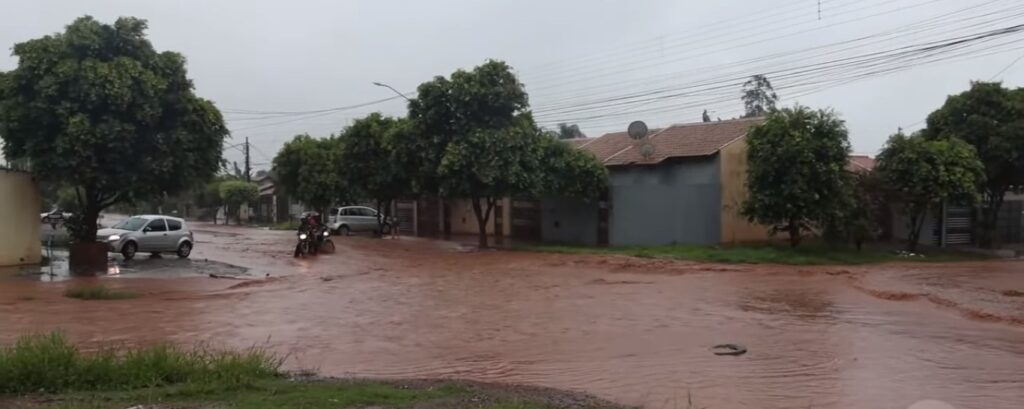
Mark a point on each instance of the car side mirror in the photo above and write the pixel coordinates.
(147, 230)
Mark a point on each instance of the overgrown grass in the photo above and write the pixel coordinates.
(810, 254)
(98, 293)
(49, 363)
(47, 372)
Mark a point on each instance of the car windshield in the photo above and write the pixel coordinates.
(132, 224)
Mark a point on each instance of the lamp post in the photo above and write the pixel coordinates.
(379, 84)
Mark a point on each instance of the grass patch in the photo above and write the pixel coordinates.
(50, 363)
(1013, 293)
(810, 254)
(26, 298)
(47, 372)
(99, 293)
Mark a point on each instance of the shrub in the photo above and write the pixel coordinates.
(98, 293)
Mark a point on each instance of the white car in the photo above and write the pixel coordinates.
(148, 234)
(347, 219)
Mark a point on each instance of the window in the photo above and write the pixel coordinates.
(346, 212)
(334, 211)
(132, 224)
(157, 225)
(366, 212)
(173, 225)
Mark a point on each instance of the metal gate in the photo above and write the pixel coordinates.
(526, 219)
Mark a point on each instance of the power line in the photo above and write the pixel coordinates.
(1007, 68)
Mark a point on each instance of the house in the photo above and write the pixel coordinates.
(683, 184)
(273, 205)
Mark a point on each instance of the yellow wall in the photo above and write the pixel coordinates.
(735, 227)
(19, 219)
(464, 221)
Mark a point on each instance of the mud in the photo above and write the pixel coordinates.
(635, 331)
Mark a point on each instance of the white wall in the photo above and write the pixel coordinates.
(19, 219)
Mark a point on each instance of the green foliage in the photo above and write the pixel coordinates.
(369, 161)
(922, 173)
(309, 170)
(476, 139)
(796, 175)
(489, 97)
(98, 293)
(570, 172)
(235, 193)
(759, 97)
(566, 131)
(96, 107)
(49, 363)
(990, 118)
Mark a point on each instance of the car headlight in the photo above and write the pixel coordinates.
(326, 233)
(114, 238)
(302, 236)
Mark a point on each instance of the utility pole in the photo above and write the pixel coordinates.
(248, 169)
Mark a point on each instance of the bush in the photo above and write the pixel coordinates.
(98, 293)
(49, 363)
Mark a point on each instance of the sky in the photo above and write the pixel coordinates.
(600, 64)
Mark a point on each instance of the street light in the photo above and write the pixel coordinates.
(392, 89)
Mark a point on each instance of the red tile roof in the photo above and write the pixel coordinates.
(860, 163)
(676, 141)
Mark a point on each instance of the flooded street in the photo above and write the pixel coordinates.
(635, 331)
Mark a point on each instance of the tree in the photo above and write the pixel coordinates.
(309, 170)
(236, 193)
(371, 140)
(923, 173)
(990, 118)
(759, 97)
(705, 117)
(796, 176)
(570, 172)
(472, 137)
(566, 131)
(99, 109)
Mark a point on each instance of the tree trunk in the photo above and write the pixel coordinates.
(918, 214)
(794, 233)
(86, 254)
(482, 216)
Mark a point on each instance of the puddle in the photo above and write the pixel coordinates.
(57, 268)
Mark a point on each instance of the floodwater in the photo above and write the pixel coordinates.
(635, 331)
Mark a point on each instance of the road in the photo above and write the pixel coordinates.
(631, 330)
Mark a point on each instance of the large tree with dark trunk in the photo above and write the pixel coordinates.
(475, 139)
(990, 118)
(98, 109)
(796, 175)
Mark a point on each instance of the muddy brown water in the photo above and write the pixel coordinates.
(635, 331)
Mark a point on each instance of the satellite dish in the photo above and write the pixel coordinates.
(647, 150)
(637, 130)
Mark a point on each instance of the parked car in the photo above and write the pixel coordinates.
(344, 220)
(148, 234)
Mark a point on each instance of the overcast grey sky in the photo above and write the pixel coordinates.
(576, 57)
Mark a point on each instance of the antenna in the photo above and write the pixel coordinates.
(637, 130)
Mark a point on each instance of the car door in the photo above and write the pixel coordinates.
(174, 234)
(332, 218)
(368, 218)
(153, 235)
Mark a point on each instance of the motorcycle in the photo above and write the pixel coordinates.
(305, 246)
(323, 240)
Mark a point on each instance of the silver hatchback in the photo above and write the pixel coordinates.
(148, 234)
(343, 220)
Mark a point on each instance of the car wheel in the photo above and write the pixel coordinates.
(129, 249)
(184, 249)
(344, 231)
